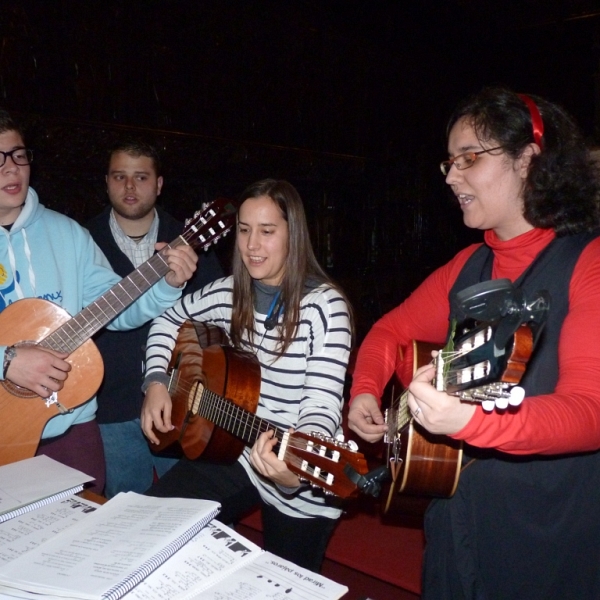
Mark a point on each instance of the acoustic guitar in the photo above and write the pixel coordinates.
(215, 390)
(424, 464)
(33, 321)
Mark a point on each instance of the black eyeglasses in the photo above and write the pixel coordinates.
(464, 161)
(20, 156)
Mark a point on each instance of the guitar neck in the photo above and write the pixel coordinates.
(398, 414)
(77, 330)
(232, 418)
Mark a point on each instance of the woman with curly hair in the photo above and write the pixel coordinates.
(523, 522)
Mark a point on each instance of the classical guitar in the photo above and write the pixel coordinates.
(422, 463)
(215, 390)
(23, 414)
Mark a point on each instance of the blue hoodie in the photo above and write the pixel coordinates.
(48, 255)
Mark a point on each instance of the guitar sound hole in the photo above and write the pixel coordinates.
(17, 390)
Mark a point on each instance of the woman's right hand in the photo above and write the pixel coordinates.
(156, 411)
(365, 418)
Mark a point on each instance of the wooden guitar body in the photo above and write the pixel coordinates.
(23, 414)
(221, 369)
(430, 464)
(215, 393)
(424, 464)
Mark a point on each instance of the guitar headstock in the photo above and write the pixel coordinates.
(323, 462)
(208, 226)
(477, 370)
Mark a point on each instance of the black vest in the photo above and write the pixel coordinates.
(551, 270)
(537, 515)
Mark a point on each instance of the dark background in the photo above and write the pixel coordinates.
(347, 99)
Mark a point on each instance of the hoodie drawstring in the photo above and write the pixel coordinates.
(13, 265)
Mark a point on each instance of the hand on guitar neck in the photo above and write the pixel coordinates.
(43, 371)
(182, 262)
(437, 411)
(265, 461)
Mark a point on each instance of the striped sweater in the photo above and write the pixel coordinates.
(301, 389)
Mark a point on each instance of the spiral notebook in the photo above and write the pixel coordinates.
(220, 564)
(110, 551)
(28, 484)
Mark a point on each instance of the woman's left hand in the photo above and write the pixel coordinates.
(265, 461)
(437, 411)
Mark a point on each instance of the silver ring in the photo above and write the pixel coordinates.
(417, 412)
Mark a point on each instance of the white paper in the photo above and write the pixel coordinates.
(33, 479)
(220, 563)
(104, 549)
(213, 553)
(26, 532)
(269, 577)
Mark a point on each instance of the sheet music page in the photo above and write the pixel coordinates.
(269, 577)
(222, 564)
(32, 479)
(208, 557)
(91, 557)
(23, 533)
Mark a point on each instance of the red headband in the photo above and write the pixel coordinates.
(536, 119)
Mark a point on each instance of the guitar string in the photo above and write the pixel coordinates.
(399, 407)
(210, 401)
(69, 336)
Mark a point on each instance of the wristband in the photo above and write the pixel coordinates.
(156, 377)
(9, 354)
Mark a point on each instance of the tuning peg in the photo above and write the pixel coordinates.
(516, 396)
(502, 402)
(488, 405)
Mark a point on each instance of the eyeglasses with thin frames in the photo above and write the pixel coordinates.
(464, 161)
(20, 156)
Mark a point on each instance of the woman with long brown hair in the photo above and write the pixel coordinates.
(282, 307)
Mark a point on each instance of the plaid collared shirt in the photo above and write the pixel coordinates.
(138, 252)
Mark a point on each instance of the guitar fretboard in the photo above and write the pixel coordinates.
(77, 330)
(230, 417)
(399, 414)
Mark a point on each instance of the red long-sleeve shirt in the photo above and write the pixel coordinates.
(565, 421)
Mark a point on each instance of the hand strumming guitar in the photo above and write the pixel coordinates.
(366, 419)
(38, 369)
(156, 411)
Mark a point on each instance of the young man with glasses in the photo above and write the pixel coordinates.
(46, 255)
(126, 232)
